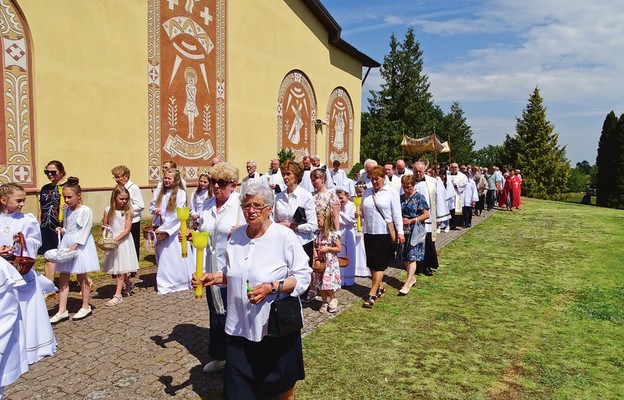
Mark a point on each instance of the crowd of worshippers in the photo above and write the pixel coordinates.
(320, 240)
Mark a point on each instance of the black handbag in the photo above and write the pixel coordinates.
(285, 316)
(299, 217)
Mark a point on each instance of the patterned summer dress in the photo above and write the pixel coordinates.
(330, 280)
(411, 208)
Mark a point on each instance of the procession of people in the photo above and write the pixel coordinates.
(388, 212)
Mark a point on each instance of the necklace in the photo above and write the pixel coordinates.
(7, 227)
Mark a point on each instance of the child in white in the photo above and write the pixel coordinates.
(347, 220)
(77, 236)
(326, 249)
(199, 198)
(123, 260)
(13, 362)
(40, 340)
(174, 272)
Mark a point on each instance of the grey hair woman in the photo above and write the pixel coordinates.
(259, 366)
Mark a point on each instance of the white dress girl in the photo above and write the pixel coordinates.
(77, 225)
(12, 346)
(40, 340)
(124, 258)
(347, 219)
(174, 272)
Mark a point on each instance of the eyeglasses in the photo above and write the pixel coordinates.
(116, 178)
(220, 182)
(256, 207)
(49, 172)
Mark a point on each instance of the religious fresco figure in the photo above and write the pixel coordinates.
(190, 108)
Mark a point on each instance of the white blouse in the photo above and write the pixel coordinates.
(274, 256)
(285, 206)
(389, 204)
(219, 225)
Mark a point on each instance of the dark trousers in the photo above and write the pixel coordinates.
(136, 236)
(431, 256)
(217, 342)
(467, 211)
(490, 198)
(453, 220)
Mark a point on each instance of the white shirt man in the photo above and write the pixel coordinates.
(252, 177)
(392, 180)
(274, 177)
(401, 169)
(306, 183)
(338, 177)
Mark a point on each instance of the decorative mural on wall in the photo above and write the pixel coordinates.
(296, 115)
(186, 52)
(339, 121)
(17, 146)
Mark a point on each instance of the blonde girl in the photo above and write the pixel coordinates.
(326, 249)
(40, 340)
(174, 272)
(123, 260)
(200, 196)
(77, 236)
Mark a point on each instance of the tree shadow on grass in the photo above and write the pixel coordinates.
(195, 340)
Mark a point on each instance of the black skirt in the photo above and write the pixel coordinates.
(379, 251)
(262, 370)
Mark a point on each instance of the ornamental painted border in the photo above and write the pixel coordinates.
(155, 145)
(17, 158)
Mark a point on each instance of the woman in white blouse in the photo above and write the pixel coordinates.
(221, 214)
(380, 205)
(294, 208)
(259, 256)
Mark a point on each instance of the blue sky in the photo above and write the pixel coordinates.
(490, 54)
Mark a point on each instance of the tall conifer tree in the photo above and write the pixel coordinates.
(403, 105)
(535, 150)
(605, 161)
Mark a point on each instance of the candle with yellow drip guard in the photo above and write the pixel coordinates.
(200, 241)
(183, 214)
(358, 202)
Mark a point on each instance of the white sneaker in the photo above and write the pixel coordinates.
(82, 313)
(56, 318)
(214, 366)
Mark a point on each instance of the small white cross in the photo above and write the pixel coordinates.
(172, 4)
(21, 173)
(205, 14)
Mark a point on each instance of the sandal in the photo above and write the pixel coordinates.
(333, 306)
(369, 302)
(115, 300)
(324, 308)
(380, 292)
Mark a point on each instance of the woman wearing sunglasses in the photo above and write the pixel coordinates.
(221, 215)
(51, 211)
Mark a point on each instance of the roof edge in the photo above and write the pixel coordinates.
(333, 31)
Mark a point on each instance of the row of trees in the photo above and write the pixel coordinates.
(404, 105)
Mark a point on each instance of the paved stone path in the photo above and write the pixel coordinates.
(148, 347)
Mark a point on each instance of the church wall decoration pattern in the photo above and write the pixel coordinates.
(296, 115)
(186, 84)
(339, 120)
(17, 145)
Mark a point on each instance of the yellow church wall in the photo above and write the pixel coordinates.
(90, 90)
(266, 40)
(90, 97)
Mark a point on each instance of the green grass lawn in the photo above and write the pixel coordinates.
(527, 305)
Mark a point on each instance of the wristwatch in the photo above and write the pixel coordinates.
(273, 290)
